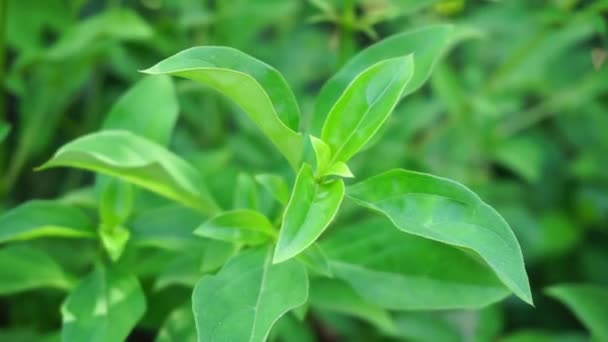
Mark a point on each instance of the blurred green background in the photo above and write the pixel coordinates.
(517, 110)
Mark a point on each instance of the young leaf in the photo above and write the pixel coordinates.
(399, 271)
(105, 306)
(257, 88)
(337, 296)
(275, 185)
(134, 159)
(24, 268)
(426, 44)
(38, 218)
(114, 240)
(148, 109)
(443, 210)
(248, 295)
(310, 210)
(325, 167)
(238, 226)
(116, 202)
(589, 303)
(364, 106)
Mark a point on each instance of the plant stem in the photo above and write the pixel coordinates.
(347, 41)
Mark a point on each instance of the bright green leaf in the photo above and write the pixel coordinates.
(239, 226)
(314, 258)
(38, 218)
(134, 159)
(589, 303)
(116, 202)
(105, 306)
(257, 88)
(427, 44)
(400, 271)
(245, 193)
(365, 105)
(443, 210)
(310, 210)
(179, 326)
(25, 268)
(265, 293)
(325, 167)
(114, 240)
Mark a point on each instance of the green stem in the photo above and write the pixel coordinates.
(347, 39)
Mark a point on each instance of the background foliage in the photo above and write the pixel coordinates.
(516, 111)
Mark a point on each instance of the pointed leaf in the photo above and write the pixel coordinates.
(134, 159)
(245, 193)
(257, 88)
(443, 210)
(315, 260)
(426, 44)
(265, 293)
(589, 303)
(239, 226)
(275, 185)
(365, 105)
(105, 306)
(400, 271)
(38, 218)
(310, 210)
(25, 268)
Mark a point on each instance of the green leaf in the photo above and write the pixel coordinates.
(442, 210)
(426, 44)
(38, 218)
(25, 268)
(364, 106)
(400, 271)
(114, 240)
(314, 258)
(134, 159)
(105, 306)
(589, 303)
(275, 185)
(310, 210)
(257, 88)
(179, 326)
(239, 226)
(247, 296)
(116, 202)
(148, 109)
(338, 296)
(325, 167)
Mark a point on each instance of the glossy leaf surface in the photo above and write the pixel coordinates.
(310, 210)
(39, 218)
(239, 226)
(134, 159)
(443, 210)
(387, 268)
(257, 88)
(265, 293)
(364, 106)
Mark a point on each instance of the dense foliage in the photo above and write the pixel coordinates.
(315, 170)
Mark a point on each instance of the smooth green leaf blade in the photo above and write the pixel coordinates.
(338, 296)
(116, 202)
(310, 210)
(149, 109)
(39, 218)
(275, 185)
(245, 193)
(315, 260)
(238, 226)
(25, 268)
(427, 44)
(114, 239)
(105, 306)
(446, 211)
(395, 270)
(134, 159)
(265, 293)
(365, 105)
(257, 88)
(589, 303)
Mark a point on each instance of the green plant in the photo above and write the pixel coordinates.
(428, 243)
